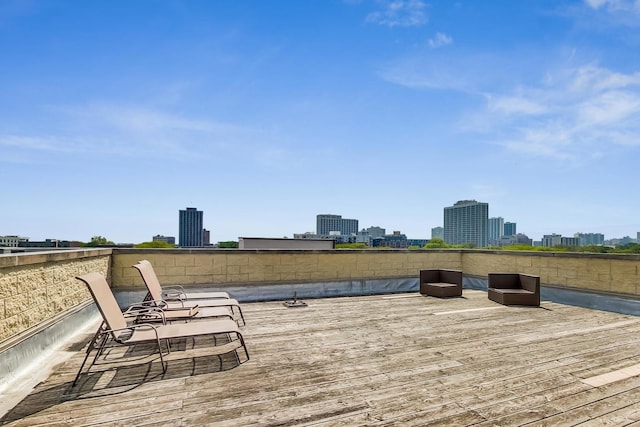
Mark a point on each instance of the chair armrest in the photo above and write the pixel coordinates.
(138, 311)
(152, 303)
(530, 283)
(174, 293)
(131, 328)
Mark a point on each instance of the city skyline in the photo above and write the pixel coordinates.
(337, 220)
(115, 116)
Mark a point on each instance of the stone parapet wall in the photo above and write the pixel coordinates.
(37, 287)
(615, 273)
(236, 267)
(611, 273)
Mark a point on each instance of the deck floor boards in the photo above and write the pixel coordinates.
(371, 360)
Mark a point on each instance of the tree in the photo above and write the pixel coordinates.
(436, 243)
(98, 241)
(154, 244)
(228, 245)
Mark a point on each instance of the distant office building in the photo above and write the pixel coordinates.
(586, 239)
(306, 235)
(496, 229)
(570, 241)
(167, 239)
(191, 230)
(335, 225)
(12, 241)
(509, 229)
(517, 239)
(366, 236)
(206, 237)
(466, 222)
(285, 243)
(551, 240)
(47, 243)
(437, 233)
(363, 236)
(376, 231)
(626, 240)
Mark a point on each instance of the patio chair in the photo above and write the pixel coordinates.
(115, 331)
(514, 289)
(155, 293)
(152, 311)
(441, 283)
(177, 292)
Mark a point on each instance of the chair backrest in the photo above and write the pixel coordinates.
(504, 280)
(105, 300)
(150, 279)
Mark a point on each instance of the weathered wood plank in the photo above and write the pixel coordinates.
(374, 360)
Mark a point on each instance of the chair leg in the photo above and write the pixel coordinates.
(244, 322)
(88, 352)
(164, 367)
(243, 345)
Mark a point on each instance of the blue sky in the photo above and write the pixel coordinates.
(114, 115)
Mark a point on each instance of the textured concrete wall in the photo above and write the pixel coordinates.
(36, 287)
(595, 272)
(233, 267)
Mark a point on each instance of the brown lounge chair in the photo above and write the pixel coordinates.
(177, 292)
(153, 311)
(441, 283)
(114, 329)
(155, 293)
(514, 289)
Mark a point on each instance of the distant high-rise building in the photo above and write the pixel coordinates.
(496, 229)
(590, 238)
(191, 229)
(509, 229)
(206, 237)
(335, 225)
(437, 233)
(466, 222)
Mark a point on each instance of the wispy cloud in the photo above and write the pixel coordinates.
(399, 13)
(129, 131)
(614, 5)
(439, 40)
(580, 116)
(608, 14)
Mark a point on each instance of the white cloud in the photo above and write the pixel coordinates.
(440, 40)
(612, 14)
(142, 132)
(515, 105)
(399, 13)
(130, 131)
(579, 117)
(614, 5)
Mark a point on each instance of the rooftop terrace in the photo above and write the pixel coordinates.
(396, 359)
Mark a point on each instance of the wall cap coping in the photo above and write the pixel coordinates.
(231, 251)
(40, 257)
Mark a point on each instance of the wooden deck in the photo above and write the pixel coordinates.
(374, 360)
